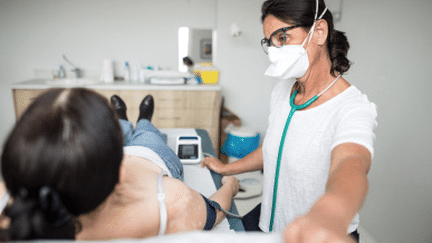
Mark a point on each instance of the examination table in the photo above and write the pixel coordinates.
(207, 182)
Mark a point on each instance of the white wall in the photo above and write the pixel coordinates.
(34, 34)
(390, 49)
(243, 63)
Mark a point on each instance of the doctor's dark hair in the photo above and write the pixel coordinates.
(302, 12)
(61, 160)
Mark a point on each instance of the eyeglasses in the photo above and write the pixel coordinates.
(277, 38)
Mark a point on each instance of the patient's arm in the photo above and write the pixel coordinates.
(230, 188)
(3, 189)
(187, 209)
(3, 221)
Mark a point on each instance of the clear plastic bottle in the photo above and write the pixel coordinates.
(135, 73)
(61, 71)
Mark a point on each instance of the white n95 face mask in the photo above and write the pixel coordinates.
(290, 61)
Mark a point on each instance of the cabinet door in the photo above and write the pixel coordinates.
(170, 99)
(23, 98)
(202, 99)
(108, 93)
(173, 108)
(188, 109)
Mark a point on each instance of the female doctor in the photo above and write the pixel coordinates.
(319, 142)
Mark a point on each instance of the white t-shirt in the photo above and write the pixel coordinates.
(311, 136)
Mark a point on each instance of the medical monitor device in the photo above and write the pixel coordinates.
(188, 149)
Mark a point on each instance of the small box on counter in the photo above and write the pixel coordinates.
(208, 73)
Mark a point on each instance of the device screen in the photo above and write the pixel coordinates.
(188, 151)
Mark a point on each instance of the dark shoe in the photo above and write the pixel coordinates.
(119, 106)
(146, 108)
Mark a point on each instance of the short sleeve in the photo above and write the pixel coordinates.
(356, 124)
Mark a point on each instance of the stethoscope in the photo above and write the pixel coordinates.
(294, 108)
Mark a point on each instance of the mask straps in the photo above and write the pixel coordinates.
(316, 9)
(313, 26)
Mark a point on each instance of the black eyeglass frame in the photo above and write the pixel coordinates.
(269, 43)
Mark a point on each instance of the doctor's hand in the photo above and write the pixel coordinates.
(215, 165)
(315, 228)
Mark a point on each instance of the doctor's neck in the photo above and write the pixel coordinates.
(315, 80)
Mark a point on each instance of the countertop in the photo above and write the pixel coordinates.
(116, 85)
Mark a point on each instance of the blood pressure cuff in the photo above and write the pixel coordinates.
(211, 212)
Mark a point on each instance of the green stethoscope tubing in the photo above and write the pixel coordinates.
(275, 186)
(294, 108)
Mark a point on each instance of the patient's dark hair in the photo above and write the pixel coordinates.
(61, 160)
(302, 12)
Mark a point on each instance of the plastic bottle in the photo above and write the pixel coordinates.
(135, 73)
(61, 73)
(145, 73)
(127, 72)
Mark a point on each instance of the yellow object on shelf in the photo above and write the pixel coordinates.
(207, 72)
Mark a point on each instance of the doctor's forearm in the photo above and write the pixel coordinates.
(346, 191)
(252, 162)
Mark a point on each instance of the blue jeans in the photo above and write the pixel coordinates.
(147, 135)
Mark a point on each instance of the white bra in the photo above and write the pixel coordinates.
(161, 200)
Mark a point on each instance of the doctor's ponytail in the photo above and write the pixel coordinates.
(337, 45)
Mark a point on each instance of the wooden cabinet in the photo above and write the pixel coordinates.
(23, 98)
(173, 108)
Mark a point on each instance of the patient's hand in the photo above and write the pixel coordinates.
(232, 182)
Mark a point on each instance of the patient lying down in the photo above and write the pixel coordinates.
(69, 176)
(132, 209)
